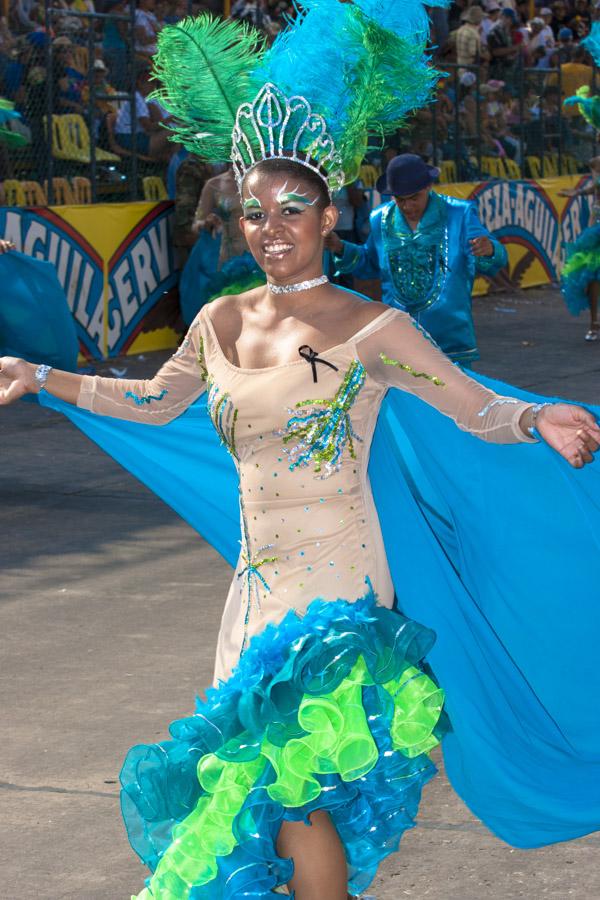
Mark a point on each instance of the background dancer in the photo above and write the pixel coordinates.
(427, 250)
(580, 276)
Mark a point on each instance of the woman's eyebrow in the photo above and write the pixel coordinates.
(295, 198)
(251, 203)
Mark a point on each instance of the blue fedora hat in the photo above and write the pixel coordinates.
(405, 175)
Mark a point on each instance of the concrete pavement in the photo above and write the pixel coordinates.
(109, 608)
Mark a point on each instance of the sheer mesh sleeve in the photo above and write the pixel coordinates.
(157, 400)
(400, 354)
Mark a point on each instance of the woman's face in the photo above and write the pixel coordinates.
(284, 226)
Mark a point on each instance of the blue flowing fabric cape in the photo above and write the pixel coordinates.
(35, 321)
(493, 547)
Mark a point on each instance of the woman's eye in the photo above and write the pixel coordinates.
(292, 210)
(253, 216)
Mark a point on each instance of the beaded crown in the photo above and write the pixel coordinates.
(273, 126)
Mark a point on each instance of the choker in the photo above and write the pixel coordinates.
(299, 286)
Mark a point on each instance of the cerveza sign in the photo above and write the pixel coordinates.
(138, 274)
(520, 212)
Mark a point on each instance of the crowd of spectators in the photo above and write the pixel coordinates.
(509, 65)
(97, 89)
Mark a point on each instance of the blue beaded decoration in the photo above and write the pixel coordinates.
(146, 398)
(253, 577)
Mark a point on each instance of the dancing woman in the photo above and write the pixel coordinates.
(580, 276)
(304, 765)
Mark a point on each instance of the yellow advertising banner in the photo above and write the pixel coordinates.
(116, 264)
(531, 220)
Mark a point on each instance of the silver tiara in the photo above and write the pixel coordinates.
(274, 126)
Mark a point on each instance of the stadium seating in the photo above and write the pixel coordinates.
(493, 166)
(13, 193)
(34, 193)
(447, 171)
(82, 189)
(62, 193)
(369, 174)
(513, 169)
(154, 188)
(71, 140)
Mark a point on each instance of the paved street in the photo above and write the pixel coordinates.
(109, 608)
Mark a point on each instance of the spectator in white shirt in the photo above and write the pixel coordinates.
(146, 28)
(546, 15)
(539, 36)
(491, 17)
(150, 138)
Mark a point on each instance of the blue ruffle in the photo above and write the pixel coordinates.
(312, 655)
(575, 284)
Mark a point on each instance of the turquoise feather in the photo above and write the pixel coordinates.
(592, 42)
(363, 66)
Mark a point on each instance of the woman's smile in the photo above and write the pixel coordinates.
(284, 222)
(277, 249)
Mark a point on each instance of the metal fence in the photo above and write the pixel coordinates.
(71, 90)
(537, 138)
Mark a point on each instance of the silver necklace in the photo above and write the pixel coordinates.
(299, 286)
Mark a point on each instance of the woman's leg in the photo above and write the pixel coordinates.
(320, 869)
(593, 293)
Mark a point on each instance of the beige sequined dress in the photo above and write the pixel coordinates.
(308, 523)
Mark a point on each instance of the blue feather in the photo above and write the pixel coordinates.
(592, 42)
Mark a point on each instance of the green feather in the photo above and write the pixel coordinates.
(390, 79)
(204, 65)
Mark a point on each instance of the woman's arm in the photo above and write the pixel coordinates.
(154, 401)
(401, 355)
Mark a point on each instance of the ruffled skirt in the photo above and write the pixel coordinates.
(581, 268)
(333, 711)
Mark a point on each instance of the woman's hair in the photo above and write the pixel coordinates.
(300, 174)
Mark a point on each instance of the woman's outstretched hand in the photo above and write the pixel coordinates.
(16, 379)
(570, 430)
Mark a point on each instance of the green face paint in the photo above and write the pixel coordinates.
(294, 198)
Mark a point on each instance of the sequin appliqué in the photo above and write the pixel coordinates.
(323, 434)
(224, 416)
(186, 341)
(406, 368)
(417, 261)
(254, 580)
(200, 356)
(145, 398)
(499, 401)
(202, 360)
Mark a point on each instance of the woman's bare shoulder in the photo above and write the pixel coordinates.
(228, 311)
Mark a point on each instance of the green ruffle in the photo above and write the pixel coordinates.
(334, 739)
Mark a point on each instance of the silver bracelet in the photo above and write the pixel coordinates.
(41, 375)
(535, 411)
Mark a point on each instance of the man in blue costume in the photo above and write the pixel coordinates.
(427, 250)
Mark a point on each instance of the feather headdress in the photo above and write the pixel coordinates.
(340, 72)
(589, 106)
